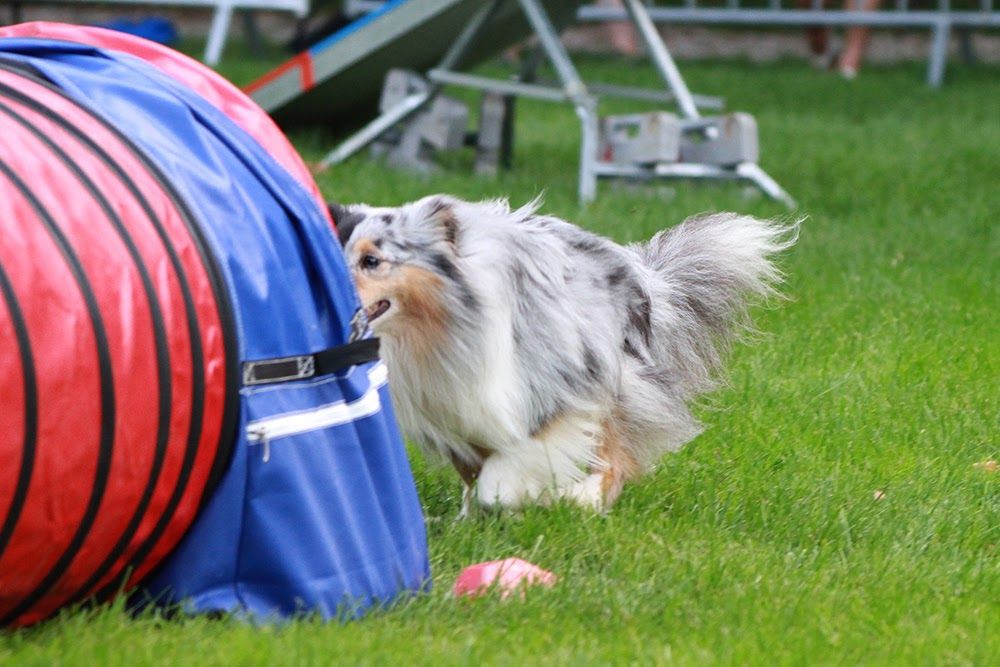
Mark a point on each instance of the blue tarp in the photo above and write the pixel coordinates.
(155, 28)
(317, 511)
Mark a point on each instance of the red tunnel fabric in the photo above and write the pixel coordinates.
(112, 375)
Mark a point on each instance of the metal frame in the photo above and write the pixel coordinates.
(572, 90)
(940, 22)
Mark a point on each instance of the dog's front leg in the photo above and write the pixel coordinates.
(468, 494)
(469, 472)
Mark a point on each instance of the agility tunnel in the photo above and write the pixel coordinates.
(190, 400)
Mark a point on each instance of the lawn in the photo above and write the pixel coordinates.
(832, 512)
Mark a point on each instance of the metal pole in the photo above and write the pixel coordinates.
(217, 33)
(554, 49)
(651, 95)
(939, 53)
(529, 68)
(587, 112)
(797, 17)
(374, 129)
(547, 93)
(454, 55)
(661, 57)
(575, 89)
(753, 173)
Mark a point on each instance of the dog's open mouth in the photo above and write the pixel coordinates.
(377, 310)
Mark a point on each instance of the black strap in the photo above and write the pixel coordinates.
(304, 366)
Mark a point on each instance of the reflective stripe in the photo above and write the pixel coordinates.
(324, 416)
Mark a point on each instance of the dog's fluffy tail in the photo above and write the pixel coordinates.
(707, 270)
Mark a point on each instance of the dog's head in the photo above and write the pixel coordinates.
(404, 264)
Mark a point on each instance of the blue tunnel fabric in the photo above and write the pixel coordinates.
(317, 511)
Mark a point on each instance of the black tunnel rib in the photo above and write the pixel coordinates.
(163, 367)
(107, 400)
(30, 390)
(227, 434)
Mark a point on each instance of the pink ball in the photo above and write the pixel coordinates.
(508, 575)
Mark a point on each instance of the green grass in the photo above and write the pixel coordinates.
(761, 542)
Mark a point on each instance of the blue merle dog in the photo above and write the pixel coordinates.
(542, 360)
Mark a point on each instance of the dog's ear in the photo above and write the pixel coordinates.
(439, 211)
(345, 218)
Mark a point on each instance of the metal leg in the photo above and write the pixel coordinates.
(217, 34)
(554, 49)
(584, 104)
(529, 65)
(454, 56)
(374, 129)
(252, 33)
(661, 57)
(966, 47)
(653, 95)
(939, 54)
(588, 150)
(413, 103)
(529, 68)
(753, 173)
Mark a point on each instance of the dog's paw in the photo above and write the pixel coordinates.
(502, 483)
(587, 493)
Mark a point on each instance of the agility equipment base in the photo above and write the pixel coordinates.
(708, 132)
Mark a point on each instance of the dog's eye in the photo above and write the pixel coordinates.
(370, 262)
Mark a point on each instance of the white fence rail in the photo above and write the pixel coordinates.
(939, 21)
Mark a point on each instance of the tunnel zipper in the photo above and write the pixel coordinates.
(263, 431)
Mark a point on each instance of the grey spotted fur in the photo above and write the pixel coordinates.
(551, 323)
